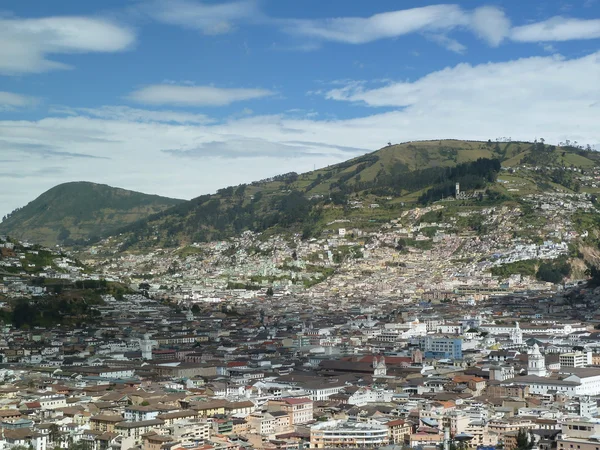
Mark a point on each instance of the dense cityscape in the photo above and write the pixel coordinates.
(403, 336)
(267, 224)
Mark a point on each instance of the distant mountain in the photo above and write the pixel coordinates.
(73, 213)
(369, 190)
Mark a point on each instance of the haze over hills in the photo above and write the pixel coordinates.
(75, 212)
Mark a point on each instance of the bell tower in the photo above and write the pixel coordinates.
(146, 347)
(517, 335)
(536, 363)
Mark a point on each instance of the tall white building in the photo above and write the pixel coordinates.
(146, 347)
(379, 367)
(536, 363)
(517, 335)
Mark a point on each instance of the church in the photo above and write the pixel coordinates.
(569, 381)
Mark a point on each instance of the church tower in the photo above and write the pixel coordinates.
(146, 347)
(189, 315)
(379, 367)
(457, 190)
(536, 363)
(517, 335)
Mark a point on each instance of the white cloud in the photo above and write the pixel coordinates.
(488, 23)
(448, 43)
(557, 29)
(167, 94)
(209, 18)
(26, 44)
(549, 97)
(491, 24)
(537, 79)
(10, 101)
(359, 30)
(254, 147)
(128, 114)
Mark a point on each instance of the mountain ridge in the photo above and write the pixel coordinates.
(367, 190)
(386, 179)
(77, 211)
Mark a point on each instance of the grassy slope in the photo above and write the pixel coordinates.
(83, 210)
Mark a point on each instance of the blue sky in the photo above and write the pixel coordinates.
(181, 97)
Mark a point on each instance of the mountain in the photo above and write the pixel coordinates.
(370, 190)
(76, 212)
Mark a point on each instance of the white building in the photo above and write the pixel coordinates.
(517, 335)
(338, 433)
(570, 381)
(536, 362)
(575, 359)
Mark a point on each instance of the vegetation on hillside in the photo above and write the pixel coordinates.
(368, 190)
(74, 213)
(66, 304)
(552, 271)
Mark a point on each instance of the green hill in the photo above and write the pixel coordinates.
(366, 191)
(76, 212)
(370, 190)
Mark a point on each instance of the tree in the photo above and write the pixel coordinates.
(524, 440)
(270, 291)
(54, 433)
(195, 308)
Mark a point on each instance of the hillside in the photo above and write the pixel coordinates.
(370, 190)
(76, 212)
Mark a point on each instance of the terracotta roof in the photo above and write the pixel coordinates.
(296, 401)
(393, 423)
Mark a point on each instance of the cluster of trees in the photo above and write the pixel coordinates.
(552, 271)
(400, 180)
(471, 176)
(213, 218)
(286, 178)
(49, 312)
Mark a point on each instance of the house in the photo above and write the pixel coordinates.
(300, 410)
(105, 422)
(24, 437)
(399, 431)
(135, 430)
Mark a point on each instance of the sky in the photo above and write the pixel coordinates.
(182, 97)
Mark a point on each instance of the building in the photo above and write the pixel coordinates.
(135, 430)
(580, 435)
(536, 363)
(441, 347)
(575, 359)
(146, 347)
(339, 433)
(321, 390)
(398, 431)
(23, 437)
(300, 410)
(105, 422)
(572, 382)
(517, 335)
